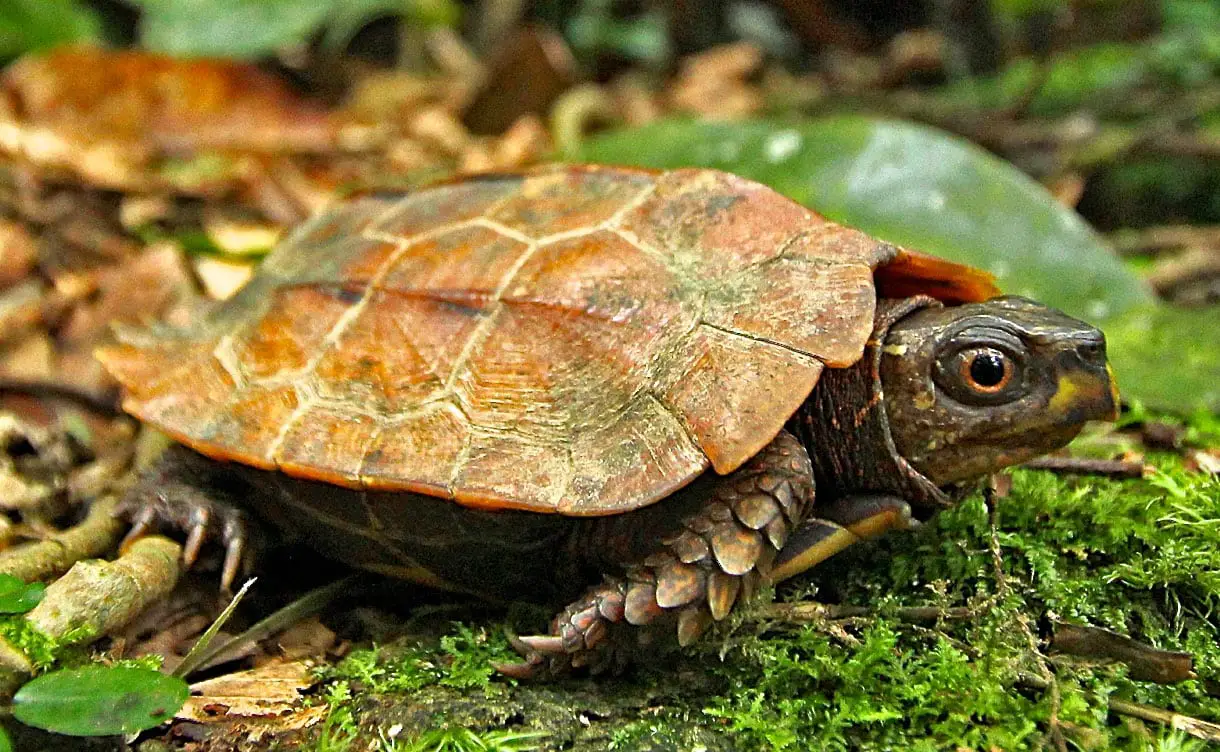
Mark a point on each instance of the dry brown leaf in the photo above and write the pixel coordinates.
(715, 84)
(107, 116)
(306, 639)
(1205, 460)
(222, 277)
(269, 693)
(20, 309)
(18, 252)
(138, 290)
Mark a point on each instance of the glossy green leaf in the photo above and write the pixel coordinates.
(250, 28)
(28, 25)
(17, 596)
(1167, 357)
(227, 28)
(99, 700)
(927, 189)
(6, 744)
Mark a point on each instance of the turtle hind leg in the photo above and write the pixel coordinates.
(183, 491)
(706, 563)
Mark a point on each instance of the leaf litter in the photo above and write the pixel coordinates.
(208, 185)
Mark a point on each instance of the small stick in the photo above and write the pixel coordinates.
(97, 597)
(1197, 728)
(1165, 238)
(106, 403)
(44, 559)
(1087, 466)
(811, 611)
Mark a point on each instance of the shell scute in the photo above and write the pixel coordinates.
(558, 202)
(253, 420)
(443, 206)
(377, 366)
(292, 332)
(324, 443)
(427, 444)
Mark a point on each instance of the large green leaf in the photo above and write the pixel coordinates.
(28, 25)
(923, 188)
(99, 700)
(227, 28)
(17, 596)
(250, 28)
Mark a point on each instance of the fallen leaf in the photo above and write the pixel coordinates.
(1205, 460)
(108, 116)
(18, 252)
(271, 692)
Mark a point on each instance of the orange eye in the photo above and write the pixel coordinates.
(986, 370)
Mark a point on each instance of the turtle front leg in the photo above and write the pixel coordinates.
(183, 491)
(847, 521)
(711, 560)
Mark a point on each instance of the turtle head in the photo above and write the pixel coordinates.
(973, 388)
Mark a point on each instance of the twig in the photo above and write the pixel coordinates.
(1087, 466)
(106, 403)
(576, 111)
(41, 560)
(1145, 662)
(1166, 238)
(97, 597)
(1197, 728)
(804, 612)
(1192, 265)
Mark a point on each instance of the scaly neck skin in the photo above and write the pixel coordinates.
(845, 427)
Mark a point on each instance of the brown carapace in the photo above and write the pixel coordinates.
(615, 349)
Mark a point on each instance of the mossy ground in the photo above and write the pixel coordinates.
(1140, 557)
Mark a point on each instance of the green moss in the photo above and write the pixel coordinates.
(446, 739)
(464, 659)
(1138, 557)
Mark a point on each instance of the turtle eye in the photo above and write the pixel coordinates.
(986, 370)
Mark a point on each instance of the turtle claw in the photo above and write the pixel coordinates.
(234, 549)
(141, 522)
(195, 538)
(172, 497)
(540, 644)
(523, 671)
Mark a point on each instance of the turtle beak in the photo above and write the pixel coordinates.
(1086, 389)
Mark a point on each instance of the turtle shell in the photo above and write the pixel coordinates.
(579, 340)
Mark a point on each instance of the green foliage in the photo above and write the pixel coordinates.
(466, 661)
(99, 700)
(1186, 53)
(250, 28)
(338, 732)
(42, 651)
(29, 25)
(926, 189)
(597, 29)
(17, 596)
(465, 740)
(1136, 557)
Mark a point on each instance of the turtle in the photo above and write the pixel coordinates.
(610, 389)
